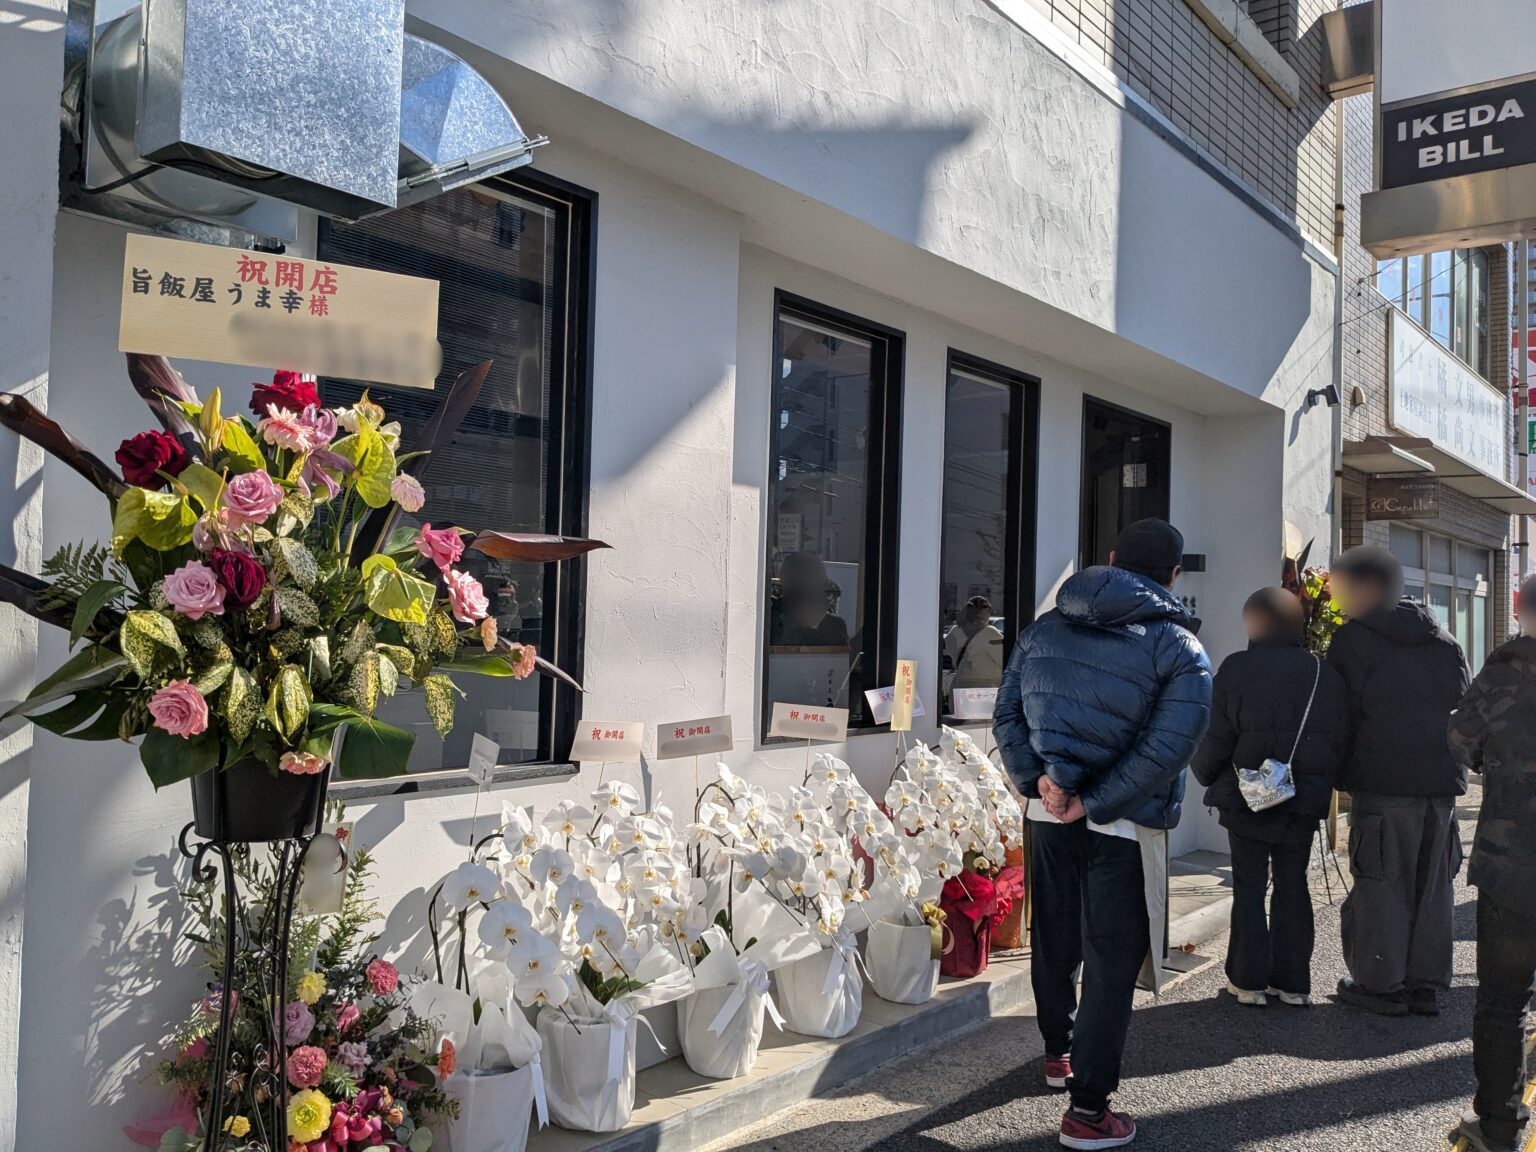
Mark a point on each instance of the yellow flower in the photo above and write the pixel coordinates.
(237, 1126)
(309, 1115)
(311, 987)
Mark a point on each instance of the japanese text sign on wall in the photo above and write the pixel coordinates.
(809, 722)
(605, 742)
(204, 302)
(881, 699)
(906, 694)
(974, 703)
(693, 737)
(1436, 396)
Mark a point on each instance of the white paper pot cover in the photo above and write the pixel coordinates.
(900, 962)
(494, 1112)
(823, 994)
(732, 1050)
(589, 1075)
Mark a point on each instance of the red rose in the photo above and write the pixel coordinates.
(241, 576)
(288, 390)
(141, 457)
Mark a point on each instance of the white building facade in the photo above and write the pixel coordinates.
(929, 293)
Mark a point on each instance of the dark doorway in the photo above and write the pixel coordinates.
(1125, 475)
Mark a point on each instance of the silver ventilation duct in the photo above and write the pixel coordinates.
(236, 112)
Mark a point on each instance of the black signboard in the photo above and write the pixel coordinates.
(1455, 135)
(1402, 498)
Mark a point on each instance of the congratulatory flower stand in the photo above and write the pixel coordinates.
(257, 600)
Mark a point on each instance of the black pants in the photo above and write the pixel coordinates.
(1089, 909)
(1273, 951)
(1506, 968)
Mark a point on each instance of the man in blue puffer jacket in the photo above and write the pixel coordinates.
(1102, 705)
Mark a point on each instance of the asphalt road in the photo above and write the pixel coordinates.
(1202, 1074)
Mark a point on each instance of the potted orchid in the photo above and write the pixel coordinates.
(253, 606)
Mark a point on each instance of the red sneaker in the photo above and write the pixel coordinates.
(1058, 1070)
(1107, 1130)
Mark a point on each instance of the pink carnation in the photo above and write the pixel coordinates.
(466, 596)
(251, 498)
(306, 1066)
(406, 491)
(194, 591)
(382, 977)
(443, 546)
(523, 661)
(303, 763)
(179, 708)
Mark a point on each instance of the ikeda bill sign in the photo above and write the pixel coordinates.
(230, 306)
(1456, 135)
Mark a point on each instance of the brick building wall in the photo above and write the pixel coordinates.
(1164, 52)
(1363, 347)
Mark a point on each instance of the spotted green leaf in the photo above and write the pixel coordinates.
(242, 704)
(144, 637)
(439, 691)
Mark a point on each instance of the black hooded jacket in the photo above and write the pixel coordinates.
(1260, 699)
(1405, 675)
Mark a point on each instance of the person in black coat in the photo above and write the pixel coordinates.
(1261, 698)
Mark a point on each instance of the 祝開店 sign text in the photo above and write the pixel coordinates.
(230, 306)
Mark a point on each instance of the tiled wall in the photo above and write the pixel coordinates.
(1162, 50)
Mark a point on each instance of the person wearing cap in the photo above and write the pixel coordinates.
(1404, 675)
(1493, 732)
(1103, 702)
(1273, 701)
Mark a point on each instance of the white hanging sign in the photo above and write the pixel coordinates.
(974, 703)
(703, 737)
(881, 699)
(809, 722)
(608, 742)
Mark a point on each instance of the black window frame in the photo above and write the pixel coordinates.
(1084, 538)
(567, 479)
(1022, 517)
(882, 500)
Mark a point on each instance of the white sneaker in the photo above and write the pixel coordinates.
(1245, 997)
(1294, 999)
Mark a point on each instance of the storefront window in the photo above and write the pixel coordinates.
(987, 566)
(1445, 293)
(510, 261)
(832, 495)
(1452, 579)
(1126, 475)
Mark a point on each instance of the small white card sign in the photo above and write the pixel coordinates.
(693, 737)
(608, 742)
(809, 722)
(974, 703)
(483, 754)
(881, 699)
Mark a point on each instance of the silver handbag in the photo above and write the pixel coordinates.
(1271, 783)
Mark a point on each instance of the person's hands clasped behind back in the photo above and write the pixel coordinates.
(1064, 806)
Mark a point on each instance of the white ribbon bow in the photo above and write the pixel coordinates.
(754, 979)
(844, 952)
(540, 1101)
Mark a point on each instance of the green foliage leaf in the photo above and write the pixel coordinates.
(359, 643)
(163, 520)
(363, 685)
(142, 638)
(445, 636)
(479, 663)
(62, 721)
(297, 609)
(439, 691)
(370, 749)
(169, 758)
(389, 675)
(85, 663)
(395, 594)
(373, 462)
(295, 512)
(203, 482)
(90, 604)
(288, 703)
(214, 678)
(319, 658)
(242, 704)
(241, 452)
(402, 658)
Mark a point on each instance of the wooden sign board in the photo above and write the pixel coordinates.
(809, 722)
(703, 737)
(1402, 498)
(607, 742)
(231, 306)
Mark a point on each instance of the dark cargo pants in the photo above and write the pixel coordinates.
(1396, 922)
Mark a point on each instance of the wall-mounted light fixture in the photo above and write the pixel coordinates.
(1329, 395)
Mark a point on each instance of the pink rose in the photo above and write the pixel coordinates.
(347, 1017)
(303, 763)
(306, 1066)
(443, 546)
(194, 591)
(251, 498)
(179, 708)
(466, 596)
(298, 1022)
(406, 491)
(382, 977)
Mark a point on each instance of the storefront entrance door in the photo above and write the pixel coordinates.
(1125, 475)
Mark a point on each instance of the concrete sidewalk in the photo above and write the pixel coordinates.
(675, 1109)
